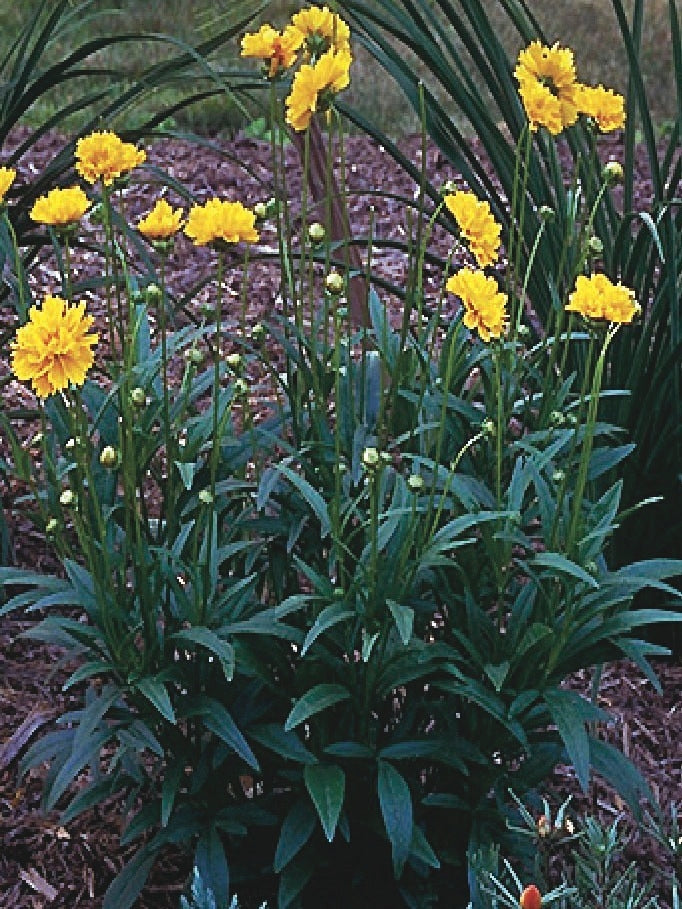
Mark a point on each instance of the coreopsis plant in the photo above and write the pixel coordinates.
(320, 647)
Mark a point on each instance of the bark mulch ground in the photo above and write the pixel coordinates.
(45, 864)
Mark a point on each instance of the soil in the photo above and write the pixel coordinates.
(45, 864)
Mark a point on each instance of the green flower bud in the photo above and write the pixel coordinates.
(316, 232)
(153, 294)
(559, 476)
(448, 187)
(613, 172)
(67, 498)
(138, 397)
(595, 246)
(258, 331)
(234, 361)
(488, 427)
(241, 387)
(334, 283)
(370, 457)
(70, 444)
(547, 213)
(260, 210)
(415, 482)
(205, 497)
(556, 418)
(108, 457)
(51, 526)
(194, 356)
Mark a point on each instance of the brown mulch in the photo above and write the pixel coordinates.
(44, 864)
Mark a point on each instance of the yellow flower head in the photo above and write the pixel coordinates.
(61, 207)
(597, 297)
(477, 225)
(314, 86)
(549, 92)
(7, 175)
(484, 305)
(321, 29)
(161, 223)
(606, 107)
(217, 220)
(279, 50)
(105, 156)
(54, 347)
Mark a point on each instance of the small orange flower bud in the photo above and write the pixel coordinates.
(531, 898)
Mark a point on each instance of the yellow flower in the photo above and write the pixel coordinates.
(321, 29)
(597, 297)
(484, 305)
(61, 207)
(314, 86)
(270, 45)
(606, 107)
(54, 348)
(161, 223)
(105, 156)
(7, 175)
(477, 224)
(547, 85)
(218, 220)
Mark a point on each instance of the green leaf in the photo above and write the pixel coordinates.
(622, 774)
(403, 616)
(395, 801)
(210, 859)
(210, 640)
(156, 694)
(297, 829)
(330, 616)
(187, 472)
(314, 701)
(420, 848)
(312, 497)
(218, 720)
(326, 785)
(126, 886)
(293, 879)
(286, 744)
(570, 712)
(169, 788)
(556, 562)
(497, 673)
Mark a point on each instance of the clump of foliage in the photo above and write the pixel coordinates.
(319, 647)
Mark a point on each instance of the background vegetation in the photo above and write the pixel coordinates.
(589, 26)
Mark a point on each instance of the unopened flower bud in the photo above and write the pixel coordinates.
(334, 283)
(260, 210)
(595, 245)
(67, 498)
(531, 898)
(138, 397)
(194, 356)
(316, 232)
(569, 826)
(571, 419)
(234, 361)
(547, 213)
(205, 497)
(108, 457)
(556, 418)
(523, 330)
(415, 482)
(153, 294)
(488, 427)
(385, 457)
(370, 457)
(613, 172)
(70, 444)
(241, 387)
(448, 187)
(339, 593)
(51, 526)
(559, 476)
(258, 331)
(36, 440)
